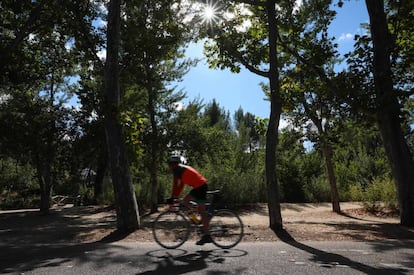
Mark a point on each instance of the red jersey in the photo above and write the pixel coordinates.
(188, 175)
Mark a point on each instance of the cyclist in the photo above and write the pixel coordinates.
(184, 174)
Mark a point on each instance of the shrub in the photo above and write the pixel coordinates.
(238, 188)
(317, 190)
(355, 193)
(107, 197)
(380, 192)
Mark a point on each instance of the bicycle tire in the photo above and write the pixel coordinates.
(171, 229)
(226, 228)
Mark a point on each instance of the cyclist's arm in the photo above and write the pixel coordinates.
(178, 187)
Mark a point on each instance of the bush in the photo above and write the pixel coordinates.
(381, 192)
(238, 188)
(376, 194)
(107, 197)
(317, 190)
(13, 200)
(355, 193)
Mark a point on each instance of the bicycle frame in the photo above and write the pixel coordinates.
(173, 227)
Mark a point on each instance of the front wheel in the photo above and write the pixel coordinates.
(170, 229)
(226, 228)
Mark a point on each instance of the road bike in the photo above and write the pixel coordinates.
(172, 228)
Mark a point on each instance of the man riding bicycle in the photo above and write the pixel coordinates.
(184, 174)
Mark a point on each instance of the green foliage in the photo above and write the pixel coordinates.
(39, 133)
(359, 157)
(240, 188)
(238, 185)
(289, 156)
(378, 193)
(15, 176)
(43, 42)
(134, 125)
(317, 190)
(107, 196)
(18, 186)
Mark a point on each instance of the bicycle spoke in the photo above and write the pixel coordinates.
(226, 228)
(170, 229)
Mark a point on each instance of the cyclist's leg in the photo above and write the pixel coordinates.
(200, 195)
(188, 198)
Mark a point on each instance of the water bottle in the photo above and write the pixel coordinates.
(194, 218)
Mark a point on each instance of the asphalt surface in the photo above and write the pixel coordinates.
(384, 257)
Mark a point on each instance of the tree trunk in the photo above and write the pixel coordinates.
(154, 184)
(154, 165)
(275, 216)
(44, 178)
(126, 204)
(44, 166)
(388, 114)
(45, 191)
(154, 148)
(327, 152)
(100, 175)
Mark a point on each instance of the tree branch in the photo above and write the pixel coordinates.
(251, 2)
(405, 94)
(24, 31)
(235, 53)
(329, 83)
(312, 66)
(250, 67)
(254, 70)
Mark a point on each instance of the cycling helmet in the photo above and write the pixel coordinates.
(174, 159)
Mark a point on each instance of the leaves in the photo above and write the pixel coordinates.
(53, 52)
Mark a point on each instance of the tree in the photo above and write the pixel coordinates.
(230, 51)
(290, 159)
(36, 132)
(29, 20)
(245, 125)
(217, 132)
(359, 155)
(126, 204)
(90, 144)
(39, 77)
(388, 110)
(154, 37)
(259, 43)
(311, 107)
(216, 116)
(308, 96)
(186, 133)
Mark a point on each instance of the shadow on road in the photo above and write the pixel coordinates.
(180, 261)
(103, 255)
(30, 241)
(21, 259)
(331, 259)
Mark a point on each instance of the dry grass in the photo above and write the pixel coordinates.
(303, 222)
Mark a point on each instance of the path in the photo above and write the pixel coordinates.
(385, 257)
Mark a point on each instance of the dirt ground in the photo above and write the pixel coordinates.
(315, 222)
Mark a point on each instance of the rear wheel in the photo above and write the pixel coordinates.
(171, 229)
(226, 228)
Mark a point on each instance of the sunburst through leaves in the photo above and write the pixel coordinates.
(210, 13)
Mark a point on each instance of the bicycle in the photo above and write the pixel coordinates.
(172, 228)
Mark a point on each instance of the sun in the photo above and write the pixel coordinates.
(210, 13)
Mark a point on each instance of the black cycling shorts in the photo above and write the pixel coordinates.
(199, 194)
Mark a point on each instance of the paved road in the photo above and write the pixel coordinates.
(386, 257)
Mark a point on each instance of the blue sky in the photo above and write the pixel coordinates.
(232, 91)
